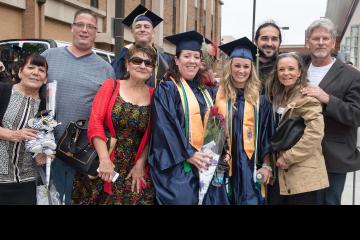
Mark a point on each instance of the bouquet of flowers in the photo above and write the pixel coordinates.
(214, 139)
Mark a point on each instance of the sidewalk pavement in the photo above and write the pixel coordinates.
(347, 196)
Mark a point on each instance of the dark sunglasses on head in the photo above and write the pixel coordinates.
(139, 61)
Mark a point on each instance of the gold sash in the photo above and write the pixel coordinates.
(249, 129)
(249, 135)
(191, 105)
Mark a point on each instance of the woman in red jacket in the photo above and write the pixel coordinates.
(122, 107)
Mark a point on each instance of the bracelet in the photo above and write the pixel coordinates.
(267, 167)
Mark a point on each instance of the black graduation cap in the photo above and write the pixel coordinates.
(242, 47)
(191, 40)
(141, 13)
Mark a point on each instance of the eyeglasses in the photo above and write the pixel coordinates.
(138, 61)
(81, 25)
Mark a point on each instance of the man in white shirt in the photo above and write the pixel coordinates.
(337, 86)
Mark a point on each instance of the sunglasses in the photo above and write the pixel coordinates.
(138, 61)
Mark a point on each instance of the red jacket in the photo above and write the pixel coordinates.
(100, 117)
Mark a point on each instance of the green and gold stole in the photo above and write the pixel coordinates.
(194, 127)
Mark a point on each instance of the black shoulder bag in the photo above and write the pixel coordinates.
(287, 134)
(74, 147)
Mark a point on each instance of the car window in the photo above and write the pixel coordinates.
(103, 56)
(10, 56)
(32, 47)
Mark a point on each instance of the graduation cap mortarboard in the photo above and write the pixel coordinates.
(140, 13)
(191, 40)
(242, 48)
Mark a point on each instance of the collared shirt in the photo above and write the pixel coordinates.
(316, 74)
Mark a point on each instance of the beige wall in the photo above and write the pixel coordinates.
(168, 17)
(102, 5)
(208, 19)
(57, 30)
(130, 5)
(53, 19)
(13, 26)
(191, 15)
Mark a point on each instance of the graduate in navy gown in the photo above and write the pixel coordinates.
(248, 123)
(178, 110)
(142, 22)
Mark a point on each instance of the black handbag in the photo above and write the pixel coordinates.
(74, 149)
(287, 134)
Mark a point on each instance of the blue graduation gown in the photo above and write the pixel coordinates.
(163, 61)
(119, 63)
(169, 148)
(244, 191)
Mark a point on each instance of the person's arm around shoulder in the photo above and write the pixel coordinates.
(346, 110)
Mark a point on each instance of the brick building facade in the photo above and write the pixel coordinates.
(52, 18)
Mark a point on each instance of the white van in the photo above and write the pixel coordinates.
(40, 45)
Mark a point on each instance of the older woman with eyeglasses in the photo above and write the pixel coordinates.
(123, 108)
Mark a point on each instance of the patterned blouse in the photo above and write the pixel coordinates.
(16, 165)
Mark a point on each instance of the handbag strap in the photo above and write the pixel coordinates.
(41, 175)
(82, 125)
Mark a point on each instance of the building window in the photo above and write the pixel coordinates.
(174, 17)
(94, 3)
(212, 19)
(352, 46)
(204, 17)
(196, 15)
(212, 27)
(143, 2)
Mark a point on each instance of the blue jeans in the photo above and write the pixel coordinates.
(332, 194)
(63, 176)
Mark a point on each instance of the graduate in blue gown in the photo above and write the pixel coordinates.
(178, 110)
(248, 118)
(142, 22)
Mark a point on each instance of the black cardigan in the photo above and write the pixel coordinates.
(5, 94)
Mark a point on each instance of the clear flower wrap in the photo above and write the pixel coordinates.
(214, 140)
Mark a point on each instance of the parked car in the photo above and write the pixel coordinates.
(40, 45)
(13, 50)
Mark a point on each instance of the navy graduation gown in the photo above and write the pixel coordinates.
(244, 191)
(169, 148)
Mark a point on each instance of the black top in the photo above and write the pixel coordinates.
(5, 94)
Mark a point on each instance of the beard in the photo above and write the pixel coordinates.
(321, 54)
(268, 55)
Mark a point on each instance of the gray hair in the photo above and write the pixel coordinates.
(322, 23)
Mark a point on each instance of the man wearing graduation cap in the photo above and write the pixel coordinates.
(247, 117)
(142, 23)
(178, 110)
